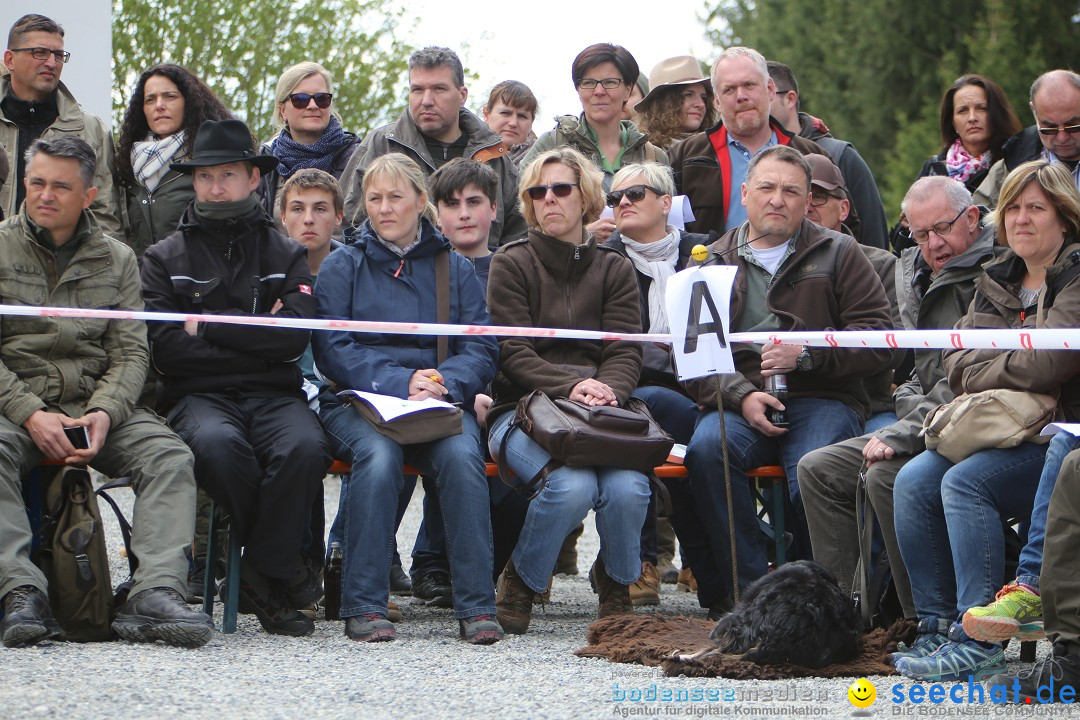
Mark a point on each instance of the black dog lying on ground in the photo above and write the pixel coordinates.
(795, 614)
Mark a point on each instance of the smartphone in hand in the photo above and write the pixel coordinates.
(78, 436)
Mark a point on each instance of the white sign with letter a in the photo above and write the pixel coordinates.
(698, 306)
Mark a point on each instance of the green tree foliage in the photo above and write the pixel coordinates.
(239, 48)
(875, 70)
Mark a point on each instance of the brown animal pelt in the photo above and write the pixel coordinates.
(681, 646)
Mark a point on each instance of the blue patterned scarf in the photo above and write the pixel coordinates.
(294, 156)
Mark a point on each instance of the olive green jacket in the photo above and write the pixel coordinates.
(76, 121)
(575, 132)
(64, 363)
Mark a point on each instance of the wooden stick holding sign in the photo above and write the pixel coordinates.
(698, 305)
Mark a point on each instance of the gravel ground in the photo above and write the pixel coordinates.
(426, 673)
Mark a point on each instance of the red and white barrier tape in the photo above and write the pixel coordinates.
(1042, 339)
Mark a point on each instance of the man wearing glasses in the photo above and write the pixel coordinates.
(935, 281)
(34, 103)
(1055, 136)
(435, 129)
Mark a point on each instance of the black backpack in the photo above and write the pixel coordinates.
(74, 558)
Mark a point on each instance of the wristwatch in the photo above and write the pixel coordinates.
(805, 361)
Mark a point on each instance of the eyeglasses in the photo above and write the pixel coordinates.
(1055, 129)
(819, 197)
(606, 83)
(634, 193)
(559, 190)
(302, 100)
(43, 53)
(942, 229)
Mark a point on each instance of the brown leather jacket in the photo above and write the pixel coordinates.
(544, 282)
(827, 283)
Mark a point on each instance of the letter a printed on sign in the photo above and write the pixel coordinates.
(698, 305)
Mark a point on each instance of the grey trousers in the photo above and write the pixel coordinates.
(1059, 581)
(828, 478)
(160, 466)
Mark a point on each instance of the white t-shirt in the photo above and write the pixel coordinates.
(770, 257)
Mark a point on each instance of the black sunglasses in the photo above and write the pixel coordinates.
(301, 100)
(559, 190)
(634, 193)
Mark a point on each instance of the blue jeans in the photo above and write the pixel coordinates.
(949, 523)
(1031, 555)
(877, 421)
(337, 528)
(814, 423)
(619, 497)
(456, 464)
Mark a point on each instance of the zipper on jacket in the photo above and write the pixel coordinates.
(254, 294)
(399, 267)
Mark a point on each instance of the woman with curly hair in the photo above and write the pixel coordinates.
(679, 103)
(164, 113)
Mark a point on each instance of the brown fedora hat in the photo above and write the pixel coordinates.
(220, 142)
(680, 70)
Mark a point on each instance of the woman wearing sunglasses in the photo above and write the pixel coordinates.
(559, 277)
(641, 200)
(311, 135)
(604, 76)
(165, 111)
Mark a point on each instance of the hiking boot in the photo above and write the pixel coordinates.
(513, 601)
(305, 589)
(369, 627)
(686, 581)
(955, 661)
(1015, 612)
(931, 635)
(646, 590)
(272, 609)
(161, 614)
(400, 584)
(28, 619)
(480, 630)
(393, 612)
(434, 589)
(1058, 669)
(196, 581)
(614, 597)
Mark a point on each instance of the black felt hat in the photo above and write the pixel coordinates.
(220, 142)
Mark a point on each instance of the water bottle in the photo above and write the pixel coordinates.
(332, 583)
(776, 385)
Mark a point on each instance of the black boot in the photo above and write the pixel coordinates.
(161, 614)
(27, 618)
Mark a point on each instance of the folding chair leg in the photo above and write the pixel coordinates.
(777, 517)
(232, 583)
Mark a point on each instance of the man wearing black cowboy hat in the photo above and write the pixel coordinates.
(233, 392)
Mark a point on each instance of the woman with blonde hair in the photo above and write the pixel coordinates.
(310, 132)
(389, 274)
(560, 277)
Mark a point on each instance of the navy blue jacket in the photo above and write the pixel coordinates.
(358, 282)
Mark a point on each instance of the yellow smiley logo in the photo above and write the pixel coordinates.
(862, 693)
